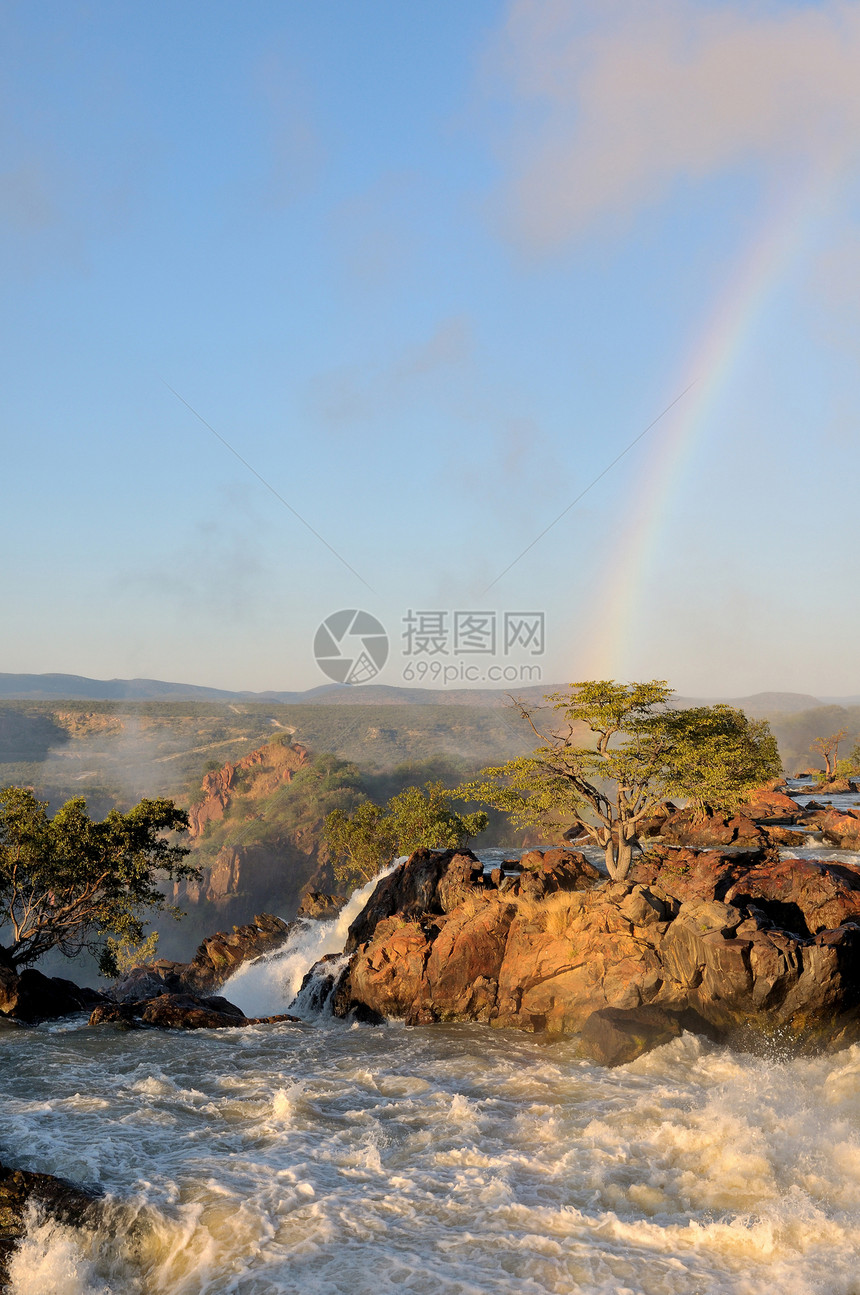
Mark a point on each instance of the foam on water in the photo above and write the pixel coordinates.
(451, 1159)
(446, 1160)
(268, 985)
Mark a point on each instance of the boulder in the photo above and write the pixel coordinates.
(685, 828)
(835, 787)
(179, 1011)
(613, 1036)
(125, 1014)
(56, 1197)
(220, 955)
(771, 805)
(187, 1012)
(32, 996)
(316, 907)
(840, 827)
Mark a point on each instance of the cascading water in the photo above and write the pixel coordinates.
(269, 984)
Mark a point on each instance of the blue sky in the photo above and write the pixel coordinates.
(429, 268)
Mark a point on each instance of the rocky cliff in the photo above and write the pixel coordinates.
(250, 854)
(255, 776)
(739, 945)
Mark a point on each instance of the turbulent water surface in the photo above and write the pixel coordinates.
(324, 1158)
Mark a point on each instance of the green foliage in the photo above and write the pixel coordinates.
(67, 882)
(718, 756)
(360, 843)
(425, 819)
(641, 752)
(365, 840)
(119, 957)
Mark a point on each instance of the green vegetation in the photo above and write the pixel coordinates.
(118, 751)
(641, 753)
(363, 841)
(68, 882)
(124, 954)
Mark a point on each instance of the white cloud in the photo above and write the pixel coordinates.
(619, 99)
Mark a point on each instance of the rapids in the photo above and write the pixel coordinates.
(327, 1159)
(331, 1159)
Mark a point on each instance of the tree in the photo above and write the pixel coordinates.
(69, 882)
(642, 752)
(426, 820)
(363, 841)
(828, 748)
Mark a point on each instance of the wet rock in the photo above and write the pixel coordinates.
(116, 1014)
(56, 1197)
(32, 997)
(185, 1012)
(840, 827)
(316, 907)
(219, 956)
(410, 889)
(615, 1036)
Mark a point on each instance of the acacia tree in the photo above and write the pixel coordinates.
(71, 883)
(642, 752)
(363, 841)
(828, 748)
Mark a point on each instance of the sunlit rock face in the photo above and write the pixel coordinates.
(744, 941)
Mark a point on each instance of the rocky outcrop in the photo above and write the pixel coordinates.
(176, 995)
(179, 1011)
(769, 805)
(841, 827)
(56, 1198)
(316, 907)
(31, 997)
(745, 941)
(684, 827)
(219, 956)
(835, 787)
(265, 769)
(215, 961)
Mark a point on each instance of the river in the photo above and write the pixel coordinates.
(334, 1159)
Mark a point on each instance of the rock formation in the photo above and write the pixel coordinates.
(734, 944)
(267, 768)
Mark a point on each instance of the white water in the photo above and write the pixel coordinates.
(333, 1160)
(267, 986)
(448, 1160)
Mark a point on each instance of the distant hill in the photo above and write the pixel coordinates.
(73, 687)
(760, 704)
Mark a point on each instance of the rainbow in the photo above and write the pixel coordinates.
(710, 369)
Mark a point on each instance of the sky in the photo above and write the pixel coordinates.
(529, 328)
